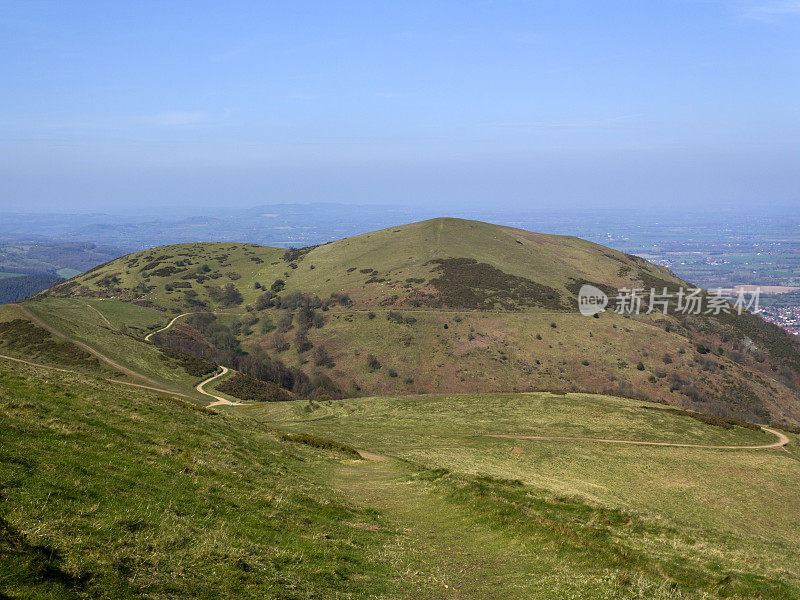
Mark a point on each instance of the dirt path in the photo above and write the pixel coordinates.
(128, 383)
(102, 316)
(170, 324)
(372, 456)
(218, 400)
(150, 383)
(782, 441)
(441, 550)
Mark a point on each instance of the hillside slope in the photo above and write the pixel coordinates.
(116, 492)
(449, 305)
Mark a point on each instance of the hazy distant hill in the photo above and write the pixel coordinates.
(449, 305)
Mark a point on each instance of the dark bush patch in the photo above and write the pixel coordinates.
(29, 339)
(466, 283)
(227, 296)
(318, 442)
(295, 254)
(249, 388)
(193, 365)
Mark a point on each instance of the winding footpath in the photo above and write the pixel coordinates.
(218, 400)
(110, 362)
(782, 441)
(173, 321)
(149, 384)
(128, 383)
(170, 324)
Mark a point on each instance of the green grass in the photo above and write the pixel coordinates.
(78, 320)
(402, 268)
(738, 505)
(113, 493)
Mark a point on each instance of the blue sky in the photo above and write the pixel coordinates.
(531, 103)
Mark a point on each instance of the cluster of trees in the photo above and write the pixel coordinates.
(249, 388)
(296, 299)
(205, 336)
(227, 296)
(397, 317)
(19, 288)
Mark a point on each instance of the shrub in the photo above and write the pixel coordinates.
(466, 283)
(246, 387)
(285, 322)
(301, 342)
(267, 325)
(193, 365)
(392, 373)
(318, 442)
(395, 316)
(640, 366)
(370, 315)
(373, 364)
(227, 296)
(322, 359)
(342, 299)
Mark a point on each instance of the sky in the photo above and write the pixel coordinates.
(668, 104)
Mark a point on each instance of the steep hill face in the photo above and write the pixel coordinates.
(449, 305)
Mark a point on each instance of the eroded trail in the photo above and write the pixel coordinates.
(96, 353)
(218, 400)
(782, 441)
(175, 320)
(170, 324)
(150, 384)
(128, 383)
(441, 550)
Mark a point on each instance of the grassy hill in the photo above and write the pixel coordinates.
(115, 492)
(117, 480)
(449, 305)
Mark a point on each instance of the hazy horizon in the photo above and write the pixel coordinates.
(686, 103)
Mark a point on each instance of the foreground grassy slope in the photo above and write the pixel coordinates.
(741, 505)
(457, 306)
(110, 492)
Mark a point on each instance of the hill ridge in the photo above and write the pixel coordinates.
(456, 305)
